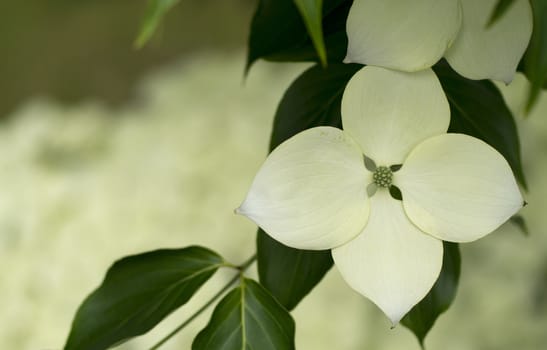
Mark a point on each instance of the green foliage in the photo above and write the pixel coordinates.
(422, 317)
(247, 318)
(154, 14)
(313, 99)
(137, 293)
(312, 16)
(278, 32)
(288, 273)
(478, 109)
(535, 59)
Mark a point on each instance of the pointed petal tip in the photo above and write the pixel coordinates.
(394, 321)
(240, 210)
(395, 316)
(509, 76)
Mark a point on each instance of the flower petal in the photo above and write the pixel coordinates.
(457, 188)
(391, 262)
(389, 112)
(311, 191)
(482, 52)
(401, 34)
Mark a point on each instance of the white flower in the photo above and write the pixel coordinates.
(413, 35)
(311, 192)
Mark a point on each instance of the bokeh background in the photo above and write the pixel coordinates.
(107, 151)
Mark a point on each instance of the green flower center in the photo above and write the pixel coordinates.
(383, 176)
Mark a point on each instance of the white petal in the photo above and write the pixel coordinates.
(311, 191)
(457, 188)
(480, 52)
(391, 262)
(401, 34)
(389, 112)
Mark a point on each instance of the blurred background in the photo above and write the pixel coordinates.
(107, 151)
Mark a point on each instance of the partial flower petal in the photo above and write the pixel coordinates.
(389, 112)
(391, 262)
(311, 191)
(457, 188)
(401, 34)
(481, 52)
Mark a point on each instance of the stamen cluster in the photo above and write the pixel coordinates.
(383, 176)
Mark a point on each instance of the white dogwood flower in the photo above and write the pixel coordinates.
(413, 35)
(311, 192)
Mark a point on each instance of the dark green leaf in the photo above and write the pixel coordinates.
(137, 293)
(336, 40)
(279, 33)
(535, 59)
(519, 221)
(313, 99)
(423, 316)
(312, 16)
(501, 7)
(154, 14)
(289, 274)
(247, 318)
(478, 109)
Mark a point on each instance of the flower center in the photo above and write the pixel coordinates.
(383, 176)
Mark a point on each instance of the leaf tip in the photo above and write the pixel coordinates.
(140, 41)
(248, 65)
(532, 98)
(322, 53)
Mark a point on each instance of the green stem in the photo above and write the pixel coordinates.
(211, 301)
(247, 263)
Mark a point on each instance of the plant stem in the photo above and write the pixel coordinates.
(215, 297)
(246, 264)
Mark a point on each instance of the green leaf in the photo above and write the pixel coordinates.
(518, 221)
(154, 14)
(535, 59)
(279, 33)
(289, 274)
(478, 109)
(336, 44)
(247, 318)
(501, 7)
(313, 99)
(312, 16)
(137, 293)
(422, 317)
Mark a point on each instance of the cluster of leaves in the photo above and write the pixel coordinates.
(139, 291)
